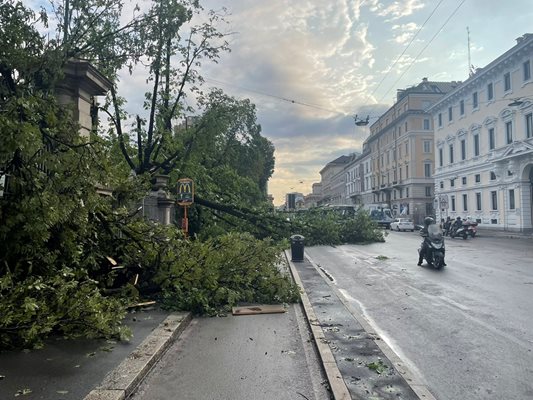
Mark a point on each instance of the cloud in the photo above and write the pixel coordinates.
(404, 32)
(396, 10)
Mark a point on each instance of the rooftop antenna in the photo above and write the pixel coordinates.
(471, 69)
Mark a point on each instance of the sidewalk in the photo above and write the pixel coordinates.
(260, 357)
(503, 234)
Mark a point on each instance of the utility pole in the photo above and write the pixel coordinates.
(470, 66)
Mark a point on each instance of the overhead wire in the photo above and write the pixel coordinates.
(423, 49)
(301, 103)
(405, 49)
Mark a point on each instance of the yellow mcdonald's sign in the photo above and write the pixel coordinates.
(185, 191)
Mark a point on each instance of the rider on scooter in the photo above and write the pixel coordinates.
(424, 233)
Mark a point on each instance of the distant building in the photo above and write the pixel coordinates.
(333, 181)
(313, 198)
(294, 201)
(484, 143)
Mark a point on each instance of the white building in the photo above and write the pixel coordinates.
(484, 144)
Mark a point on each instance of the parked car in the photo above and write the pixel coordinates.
(402, 224)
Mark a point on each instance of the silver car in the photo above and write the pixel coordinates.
(402, 224)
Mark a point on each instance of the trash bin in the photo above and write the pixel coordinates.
(297, 248)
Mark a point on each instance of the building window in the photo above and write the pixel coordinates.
(509, 132)
(453, 202)
(427, 146)
(492, 176)
(490, 91)
(478, 201)
(465, 202)
(427, 170)
(451, 154)
(428, 191)
(406, 192)
(426, 124)
(476, 145)
(492, 142)
(440, 119)
(442, 184)
(463, 180)
(463, 149)
(511, 199)
(450, 114)
(529, 125)
(527, 70)
(452, 182)
(440, 157)
(407, 172)
(494, 200)
(474, 100)
(478, 178)
(462, 107)
(507, 82)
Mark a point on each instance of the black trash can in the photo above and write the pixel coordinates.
(297, 248)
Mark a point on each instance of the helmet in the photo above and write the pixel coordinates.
(458, 218)
(428, 221)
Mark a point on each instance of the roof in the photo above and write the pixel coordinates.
(426, 87)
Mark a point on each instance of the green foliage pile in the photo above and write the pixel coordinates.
(218, 273)
(328, 227)
(65, 303)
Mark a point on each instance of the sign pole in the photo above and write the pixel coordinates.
(185, 222)
(185, 199)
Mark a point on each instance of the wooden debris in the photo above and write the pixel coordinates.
(143, 304)
(259, 309)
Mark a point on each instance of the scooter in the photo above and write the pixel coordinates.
(434, 254)
(471, 229)
(460, 231)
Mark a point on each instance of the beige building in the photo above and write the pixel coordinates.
(484, 143)
(333, 181)
(398, 156)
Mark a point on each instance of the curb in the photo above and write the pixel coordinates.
(336, 382)
(122, 381)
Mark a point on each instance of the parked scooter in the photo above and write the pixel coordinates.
(434, 244)
(460, 231)
(468, 228)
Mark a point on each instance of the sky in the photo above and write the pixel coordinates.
(309, 66)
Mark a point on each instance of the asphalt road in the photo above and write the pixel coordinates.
(467, 330)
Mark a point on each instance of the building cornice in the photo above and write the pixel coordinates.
(486, 74)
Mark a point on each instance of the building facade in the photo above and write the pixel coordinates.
(399, 153)
(333, 181)
(484, 144)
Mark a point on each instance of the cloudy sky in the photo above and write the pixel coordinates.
(310, 65)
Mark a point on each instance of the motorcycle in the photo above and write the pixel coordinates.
(467, 229)
(434, 253)
(471, 228)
